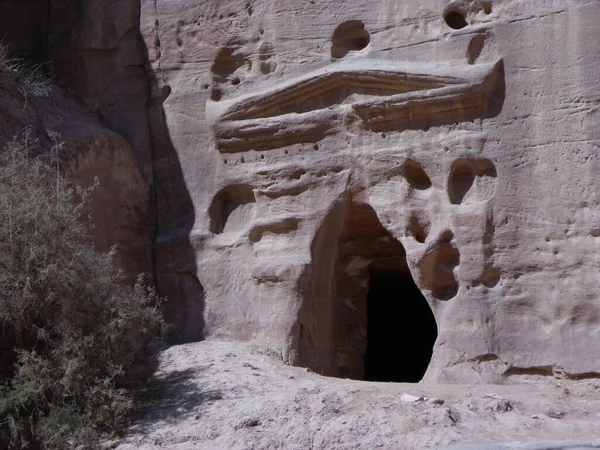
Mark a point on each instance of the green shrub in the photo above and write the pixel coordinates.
(74, 329)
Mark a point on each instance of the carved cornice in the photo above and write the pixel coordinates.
(380, 95)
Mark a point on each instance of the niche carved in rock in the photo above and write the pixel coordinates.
(471, 180)
(232, 208)
(349, 36)
(415, 175)
(437, 267)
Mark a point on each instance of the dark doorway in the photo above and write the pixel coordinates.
(401, 328)
(363, 316)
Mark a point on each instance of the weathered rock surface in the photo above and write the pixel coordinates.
(370, 189)
(92, 49)
(95, 49)
(233, 396)
(305, 164)
(327, 144)
(89, 153)
(556, 445)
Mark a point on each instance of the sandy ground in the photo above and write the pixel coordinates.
(224, 395)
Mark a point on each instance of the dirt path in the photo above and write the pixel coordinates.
(223, 395)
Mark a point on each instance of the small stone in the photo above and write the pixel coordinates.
(471, 406)
(249, 423)
(436, 401)
(443, 416)
(556, 414)
(500, 405)
(494, 396)
(535, 416)
(408, 398)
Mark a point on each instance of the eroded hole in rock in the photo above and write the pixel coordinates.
(415, 175)
(232, 208)
(475, 48)
(349, 36)
(461, 180)
(471, 180)
(228, 66)
(265, 51)
(491, 277)
(283, 226)
(165, 91)
(227, 61)
(440, 271)
(455, 19)
(401, 328)
(418, 227)
(216, 94)
(363, 317)
(267, 67)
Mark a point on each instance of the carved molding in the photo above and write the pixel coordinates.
(380, 95)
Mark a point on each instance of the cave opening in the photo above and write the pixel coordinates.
(363, 316)
(401, 328)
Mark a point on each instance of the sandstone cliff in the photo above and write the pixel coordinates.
(327, 144)
(303, 174)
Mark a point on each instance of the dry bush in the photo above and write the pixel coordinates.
(29, 80)
(73, 331)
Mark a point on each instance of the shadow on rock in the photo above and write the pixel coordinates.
(171, 397)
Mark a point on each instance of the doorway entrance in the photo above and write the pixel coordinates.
(363, 317)
(401, 329)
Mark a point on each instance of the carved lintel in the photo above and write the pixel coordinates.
(383, 95)
(240, 135)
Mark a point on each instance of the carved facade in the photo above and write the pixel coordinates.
(330, 150)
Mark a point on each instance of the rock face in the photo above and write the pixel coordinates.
(377, 190)
(36, 111)
(95, 52)
(338, 154)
